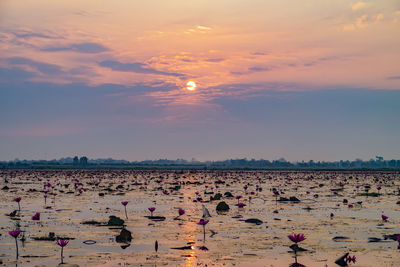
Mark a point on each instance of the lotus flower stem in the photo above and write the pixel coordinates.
(62, 255)
(15, 234)
(16, 246)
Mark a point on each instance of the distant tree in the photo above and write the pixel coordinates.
(83, 161)
(75, 161)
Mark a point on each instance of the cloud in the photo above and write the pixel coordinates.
(259, 54)
(27, 34)
(259, 69)
(86, 48)
(14, 75)
(198, 29)
(44, 68)
(215, 60)
(360, 5)
(363, 22)
(136, 67)
(204, 28)
(393, 77)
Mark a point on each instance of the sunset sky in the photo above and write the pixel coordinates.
(302, 80)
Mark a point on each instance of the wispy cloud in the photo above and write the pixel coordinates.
(393, 77)
(28, 34)
(42, 67)
(86, 48)
(364, 21)
(215, 60)
(259, 69)
(360, 5)
(136, 67)
(14, 75)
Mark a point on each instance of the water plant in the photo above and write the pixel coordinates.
(124, 203)
(15, 234)
(62, 243)
(18, 200)
(203, 223)
(152, 209)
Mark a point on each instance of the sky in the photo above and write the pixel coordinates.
(302, 80)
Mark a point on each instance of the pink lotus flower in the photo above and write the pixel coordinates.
(151, 209)
(241, 205)
(124, 203)
(276, 211)
(14, 233)
(36, 217)
(181, 212)
(296, 238)
(384, 218)
(62, 243)
(332, 215)
(18, 199)
(203, 222)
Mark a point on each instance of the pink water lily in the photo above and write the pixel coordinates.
(151, 209)
(181, 212)
(296, 238)
(18, 200)
(384, 218)
(203, 223)
(36, 217)
(241, 205)
(62, 243)
(124, 203)
(15, 234)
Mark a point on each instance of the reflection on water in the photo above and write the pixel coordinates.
(229, 239)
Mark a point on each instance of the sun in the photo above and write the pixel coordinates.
(191, 85)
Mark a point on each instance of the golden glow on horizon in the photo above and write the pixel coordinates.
(191, 85)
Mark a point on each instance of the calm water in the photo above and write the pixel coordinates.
(229, 240)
